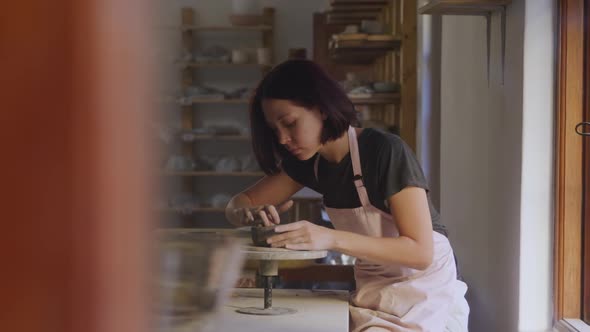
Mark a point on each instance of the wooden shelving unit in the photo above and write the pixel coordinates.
(368, 8)
(226, 65)
(221, 137)
(190, 27)
(219, 101)
(191, 114)
(353, 12)
(391, 59)
(380, 3)
(463, 7)
(362, 51)
(351, 17)
(377, 99)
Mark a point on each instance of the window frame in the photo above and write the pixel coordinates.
(586, 173)
(569, 169)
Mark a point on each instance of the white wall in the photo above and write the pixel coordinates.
(428, 123)
(496, 163)
(536, 214)
(470, 140)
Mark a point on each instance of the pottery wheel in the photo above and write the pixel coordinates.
(281, 254)
(269, 267)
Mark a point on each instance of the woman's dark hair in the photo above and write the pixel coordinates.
(305, 84)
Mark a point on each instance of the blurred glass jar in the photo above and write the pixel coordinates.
(196, 273)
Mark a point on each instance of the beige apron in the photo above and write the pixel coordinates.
(394, 297)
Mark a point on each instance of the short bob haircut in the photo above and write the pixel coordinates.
(305, 84)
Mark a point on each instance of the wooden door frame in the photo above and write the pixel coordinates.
(586, 174)
(569, 166)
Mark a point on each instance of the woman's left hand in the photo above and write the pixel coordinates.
(302, 235)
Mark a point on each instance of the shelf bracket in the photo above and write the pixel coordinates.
(488, 43)
(503, 41)
(488, 17)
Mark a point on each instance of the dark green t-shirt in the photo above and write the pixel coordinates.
(388, 166)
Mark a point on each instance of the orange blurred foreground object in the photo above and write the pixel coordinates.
(74, 86)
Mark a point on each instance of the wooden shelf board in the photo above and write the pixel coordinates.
(212, 173)
(394, 98)
(230, 137)
(201, 101)
(226, 28)
(222, 137)
(355, 8)
(363, 45)
(200, 209)
(343, 22)
(356, 15)
(462, 7)
(361, 52)
(347, 21)
(219, 101)
(358, 2)
(223, 65)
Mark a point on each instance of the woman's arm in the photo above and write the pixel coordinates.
(413, 248)
(265, 194)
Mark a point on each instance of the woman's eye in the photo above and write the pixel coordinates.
(290, 124)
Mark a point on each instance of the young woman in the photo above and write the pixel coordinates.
(374, 191)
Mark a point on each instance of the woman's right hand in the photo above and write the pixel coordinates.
(267, 215)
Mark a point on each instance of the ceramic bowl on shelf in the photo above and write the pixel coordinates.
(196, 272)
(179, 163)
(227, 164)
(249, 164)
(220, 200)
(384, 87)
(239, 57)
(372, 26)
(263, 56)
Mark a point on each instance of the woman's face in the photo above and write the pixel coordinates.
(297, 128)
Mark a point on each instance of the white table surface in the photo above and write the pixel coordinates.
(317, 311)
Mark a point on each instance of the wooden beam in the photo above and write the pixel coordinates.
(462, 7)
(356, 8)
(409, 76)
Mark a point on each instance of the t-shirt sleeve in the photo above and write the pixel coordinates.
(399, 168)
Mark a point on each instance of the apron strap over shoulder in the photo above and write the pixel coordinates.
(356, 168)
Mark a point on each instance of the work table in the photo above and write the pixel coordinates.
(317, 311)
